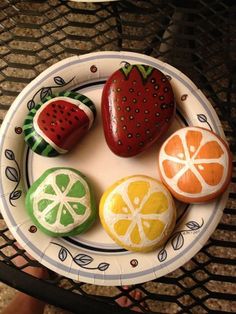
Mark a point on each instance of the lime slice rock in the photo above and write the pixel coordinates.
(61, 202)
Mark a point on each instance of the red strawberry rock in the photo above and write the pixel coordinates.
(137, 108)
(54, 126)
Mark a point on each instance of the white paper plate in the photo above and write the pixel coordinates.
(93, 257)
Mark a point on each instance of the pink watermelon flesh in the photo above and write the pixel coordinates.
(63, 123)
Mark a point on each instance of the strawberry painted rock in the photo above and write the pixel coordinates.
(137, 108)
(55, 125)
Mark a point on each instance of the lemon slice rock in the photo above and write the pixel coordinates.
(61, 202)
(138, 213)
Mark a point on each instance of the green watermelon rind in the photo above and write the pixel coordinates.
(35, 141)
(80, 228)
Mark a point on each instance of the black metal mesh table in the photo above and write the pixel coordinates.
(198, 38)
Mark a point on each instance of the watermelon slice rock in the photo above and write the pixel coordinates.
(55, 126)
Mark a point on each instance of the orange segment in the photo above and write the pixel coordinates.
(174, 147)
(152, 228)
(193, 140)
(210, 150)
(189, 183)
(212, 173)
(171, 168)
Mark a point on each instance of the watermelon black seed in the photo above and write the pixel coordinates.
(134, 82)
(127, 108)
(145, 100)
(54, 116)
(60, 120)
(53, 105)
(139, 93)
(147, 131)
(72, 110)
(118, 108)
(76, 118)
(131, 117)
(68, 113)
(156, 86)
(137, 110)
(166, 89)
(163, 79)
(146, 119)
(55, 111)
(156, 105)
(154, 95)
(122, 118)
(63, 129)
(58, 136)
(48, 114)
(129, 135)
(138, 135)
(167, 119)
(52, 130)
(138, 125)
(161, 97)
(61, 111)
(45, 129)
(141, 144)
(119, 142)
(153, 80)
(164, 106)
(135, 101)
(118, 89)
(129, 147)
(146, 111)
(124, 98)
(124, 127)
(70, 122)
(147, 89)
(157, 114)
(131, 90)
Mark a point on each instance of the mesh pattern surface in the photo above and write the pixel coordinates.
(198, 38)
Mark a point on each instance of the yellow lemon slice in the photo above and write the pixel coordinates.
(138, 213)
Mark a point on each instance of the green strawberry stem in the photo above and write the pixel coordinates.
(144, 70)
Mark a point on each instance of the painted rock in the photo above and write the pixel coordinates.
(195, 164)
(137, 108)
(138, 213)
(55, 125)
(61, 202)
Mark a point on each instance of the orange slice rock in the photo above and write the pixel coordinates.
(195, 164)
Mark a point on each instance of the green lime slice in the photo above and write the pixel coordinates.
(61, 202)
